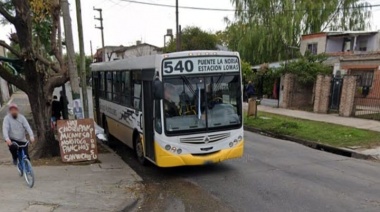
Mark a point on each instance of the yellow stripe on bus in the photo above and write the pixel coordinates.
(168, 159)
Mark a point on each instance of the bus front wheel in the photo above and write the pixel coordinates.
(139, 149)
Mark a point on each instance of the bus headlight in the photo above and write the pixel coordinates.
(236, 141)
(168, 147)
(173, 149)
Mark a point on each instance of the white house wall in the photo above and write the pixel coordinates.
(140, 51)
(4, 84)
(321, 47)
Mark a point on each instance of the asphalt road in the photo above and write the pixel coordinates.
(277, 175)
(273, 175)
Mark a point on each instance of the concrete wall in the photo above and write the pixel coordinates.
(320, 40)
(372, 42)
(141, 51)
(322, 94)
(334, 45)
(347, 99)
(5, 96)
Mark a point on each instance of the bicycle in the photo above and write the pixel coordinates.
(24, 166)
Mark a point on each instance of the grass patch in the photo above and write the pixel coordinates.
(324, 133)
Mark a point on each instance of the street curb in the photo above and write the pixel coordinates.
(313, 145)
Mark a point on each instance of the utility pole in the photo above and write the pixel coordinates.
(73, 72)
(82, 65)
(100, 18)
(65, 114)
(177, 27)
(92, 55)
(180, 37)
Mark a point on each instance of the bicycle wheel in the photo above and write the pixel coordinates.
(19, 168)
(28, 173)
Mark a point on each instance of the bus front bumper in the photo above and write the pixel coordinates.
(168, 159)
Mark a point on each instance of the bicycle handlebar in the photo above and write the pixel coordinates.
(20, 146)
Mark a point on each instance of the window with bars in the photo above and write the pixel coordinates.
(365, 77)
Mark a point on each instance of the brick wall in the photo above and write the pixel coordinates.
(294, 94)
(322, 94)
(347, 98)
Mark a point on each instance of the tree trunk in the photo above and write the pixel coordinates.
(73, 72)
(40, 103)
(46, 145)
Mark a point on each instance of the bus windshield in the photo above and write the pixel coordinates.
(202, 102)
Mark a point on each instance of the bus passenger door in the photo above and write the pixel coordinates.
(148, 120)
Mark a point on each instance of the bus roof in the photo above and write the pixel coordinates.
(143, 62)
(200, 53)
(149, 62)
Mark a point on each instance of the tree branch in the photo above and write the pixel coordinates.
(6, 14)
(53, 36)
(46, 62)
(333, 16)
(13, 79)
(12, 50)
(55, 81)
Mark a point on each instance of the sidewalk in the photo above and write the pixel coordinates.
(328, 118)
(107, 186)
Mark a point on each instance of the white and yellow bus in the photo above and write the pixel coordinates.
(175, 109)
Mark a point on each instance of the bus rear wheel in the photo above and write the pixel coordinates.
(139, 150)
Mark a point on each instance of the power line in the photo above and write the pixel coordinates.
(234, 10)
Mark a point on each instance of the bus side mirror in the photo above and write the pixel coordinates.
(158, 92)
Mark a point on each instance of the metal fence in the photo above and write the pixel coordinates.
(367, 97)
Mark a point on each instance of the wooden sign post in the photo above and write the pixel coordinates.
(77, 140)
(252, 107)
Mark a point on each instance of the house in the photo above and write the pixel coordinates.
(351, 53)
(348, 51)
(110, 53)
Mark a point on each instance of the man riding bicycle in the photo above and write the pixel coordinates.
(15, 127)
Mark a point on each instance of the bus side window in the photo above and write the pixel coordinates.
(126, 96)
(102, 87)
(109, 85)
(137, 90)
(117, 92)
(137, 96)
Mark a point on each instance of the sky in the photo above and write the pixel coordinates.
(125, 22)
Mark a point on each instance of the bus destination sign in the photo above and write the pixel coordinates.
(200, 65)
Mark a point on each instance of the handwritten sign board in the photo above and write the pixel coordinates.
(77, 140)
